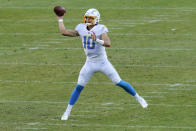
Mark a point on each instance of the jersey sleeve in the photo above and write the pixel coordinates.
(102, 29)
(78, 27)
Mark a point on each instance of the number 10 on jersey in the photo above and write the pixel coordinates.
(88, 43)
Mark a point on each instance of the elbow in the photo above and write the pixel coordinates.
(107, 44)
(64, 34)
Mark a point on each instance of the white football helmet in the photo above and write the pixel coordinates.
(94, 13)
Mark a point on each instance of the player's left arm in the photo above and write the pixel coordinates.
(105, 40)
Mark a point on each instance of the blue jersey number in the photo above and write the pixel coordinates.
(88, 42)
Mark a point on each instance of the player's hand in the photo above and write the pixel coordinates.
(60, 17)
(93, 36)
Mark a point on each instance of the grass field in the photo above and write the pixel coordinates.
(153, 48)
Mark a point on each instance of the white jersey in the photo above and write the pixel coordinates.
(93, 51)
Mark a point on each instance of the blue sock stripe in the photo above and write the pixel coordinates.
(127, 87)
(75, 94)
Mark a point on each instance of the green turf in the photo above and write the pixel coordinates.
(153, 48)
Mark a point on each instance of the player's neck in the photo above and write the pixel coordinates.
(90, 27)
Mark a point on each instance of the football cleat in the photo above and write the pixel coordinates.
(142, 102)
(93, 13)
(65, 116)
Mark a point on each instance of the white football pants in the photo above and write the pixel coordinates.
(91, 67)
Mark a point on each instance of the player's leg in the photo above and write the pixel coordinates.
(110, 71)
(75, 95)
(128, 88)
(85, 74)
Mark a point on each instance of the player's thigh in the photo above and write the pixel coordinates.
(111, 72)
(85, 74)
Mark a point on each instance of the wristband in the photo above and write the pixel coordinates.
(101, 42)
(60, 20)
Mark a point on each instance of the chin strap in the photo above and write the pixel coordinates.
(87, 24)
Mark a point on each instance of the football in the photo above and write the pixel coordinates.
(59, 10)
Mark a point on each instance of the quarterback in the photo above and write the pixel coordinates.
(94, 40)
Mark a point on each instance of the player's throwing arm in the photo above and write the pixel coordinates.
(60, 12)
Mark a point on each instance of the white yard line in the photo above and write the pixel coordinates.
(49, 42)
(116, 23)
(113, 108)
(178, 89)
(89, 111)
(95, 83)
(153, 34)
(158, 92)
(103, 125)
(115, 28)
(153, 96)
(166, 84)
(43, 48)
(29, 34)
(98, 104)
(63, 39)
(115, 8)
(112, 34)
(20, 128)
(118, 65)
(85, 116)
(125, 126)
(166, 15)
(37, 20)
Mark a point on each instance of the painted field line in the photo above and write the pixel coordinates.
(90, 111)
(84, 116)
(173, 105)
(166, 84)
(167, 15)
(125, 126)
(49, 42)
(112, 34)
(152, 34)
(113, 108)
(63, 39)
(103, 125)
(80, 103)
(37, 45)
(98, 107)
(37, 20)
(157, 92)
(153, 96)
(113, 28)
(96, 83)
(117, 65)
(20, 128)
(57, 119)
(43, 48)
(119, 23)
(155, 49)
(178, 89)
(115, 8)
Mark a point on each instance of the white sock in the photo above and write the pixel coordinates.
(68, 110)
(136, 96)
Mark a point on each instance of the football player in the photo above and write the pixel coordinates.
(94, 39)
